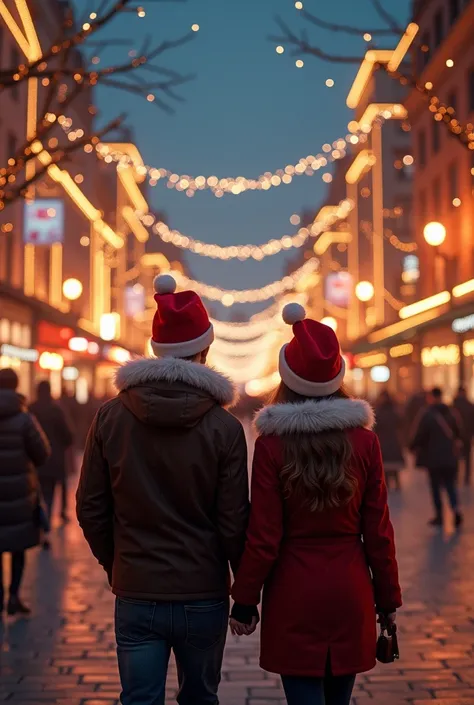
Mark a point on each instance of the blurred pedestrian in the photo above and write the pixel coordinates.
(465, 410)
(320, 541)
(436, 443)
(53, 473)
(412, 414)
(23, 448)
(163, 503)
(388, 429)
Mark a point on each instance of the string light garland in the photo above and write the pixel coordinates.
(236, 185)
(246, 252)
(229, 297)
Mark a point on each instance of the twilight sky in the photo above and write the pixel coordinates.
(248, 111)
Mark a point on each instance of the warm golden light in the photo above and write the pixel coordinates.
(330, 322)
(72, 289)
(401, 350)
(329, 82)
(370, 360)
(363, 162)
(463, 289)
(299, 64)
(434, 233)
(195, 27)
(364, 291)
(280, 50)
(449, 63)
(443, 297)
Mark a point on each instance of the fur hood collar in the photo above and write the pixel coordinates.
(314, 416)
(146, 371)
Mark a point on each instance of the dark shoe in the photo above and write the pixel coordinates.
(46, 545)
(16, 606)
(458, 520)
(437, 521)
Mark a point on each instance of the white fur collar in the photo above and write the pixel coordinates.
(172, 369)
(314, 416)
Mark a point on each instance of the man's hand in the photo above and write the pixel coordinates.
(240, 629)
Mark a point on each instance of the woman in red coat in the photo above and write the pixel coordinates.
(320, 540)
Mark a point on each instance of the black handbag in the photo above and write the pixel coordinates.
(387, 644)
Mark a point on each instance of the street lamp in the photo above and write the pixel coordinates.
(434, 233)
(364, 291)
(72, 289)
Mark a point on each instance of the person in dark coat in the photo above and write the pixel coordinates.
(436, 444)
(465, 410)
(163, 503)
(53, 421)
(412, 414)
(388, 429)
(23, 448)
(320, 540)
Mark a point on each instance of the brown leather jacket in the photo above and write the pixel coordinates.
(163, 496)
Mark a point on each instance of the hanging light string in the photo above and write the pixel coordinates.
(230, 297)
(236, 185)
(245, 252)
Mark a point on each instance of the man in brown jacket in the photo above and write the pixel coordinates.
(163, 503)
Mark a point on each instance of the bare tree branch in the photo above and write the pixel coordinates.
(302, 46)
(347, 29)
(387, 17)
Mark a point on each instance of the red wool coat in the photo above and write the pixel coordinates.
(323, 573)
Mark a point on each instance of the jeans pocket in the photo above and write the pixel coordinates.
(133, 619)
(206, 624)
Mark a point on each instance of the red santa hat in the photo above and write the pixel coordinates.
(311, 364)
(181, 326)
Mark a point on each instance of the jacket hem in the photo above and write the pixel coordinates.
(317, 673)
(171, 597)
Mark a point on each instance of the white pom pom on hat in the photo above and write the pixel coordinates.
(164, 284)
(293, 313)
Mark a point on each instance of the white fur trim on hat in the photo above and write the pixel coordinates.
(314, 416)
(164, 284)
(305, 387)
(293, 313)
(187, 348)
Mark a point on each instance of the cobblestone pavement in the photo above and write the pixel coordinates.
(65, 652)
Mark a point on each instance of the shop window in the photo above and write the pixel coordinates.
(16, 334)
(453, 183)
(436, 128)
(422, 148)
(438, 28)
(4, 330)
(454, 10)
(26, 336)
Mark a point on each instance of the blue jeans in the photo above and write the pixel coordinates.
(146, 633)
(330, 690)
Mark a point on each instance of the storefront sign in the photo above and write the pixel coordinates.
(44, 221)
(338, 288)
(462, 325)
(440, 355)
(51, 361)
(23, 354)
(50, 335)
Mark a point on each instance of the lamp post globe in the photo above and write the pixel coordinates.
(434, 233)
(72, 289)
(364, 291)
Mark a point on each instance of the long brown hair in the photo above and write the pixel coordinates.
(317, 465)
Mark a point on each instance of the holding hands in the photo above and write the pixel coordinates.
(244, 620)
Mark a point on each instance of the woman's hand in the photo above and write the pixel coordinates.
(241, 629)
(387, 619)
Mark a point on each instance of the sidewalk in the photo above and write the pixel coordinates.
(65, 653)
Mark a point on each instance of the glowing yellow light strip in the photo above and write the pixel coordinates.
(34, 51)
(360, 83)
(127, 178)
(402, 326)
(140, 232)
(463, 289)
(396, 110)
(16, 32)
(363, 162)
(155, 259)
(401, 350)
(425, 304)
(403, 46)
(329, 238)
(370, 360)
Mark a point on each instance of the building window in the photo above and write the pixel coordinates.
(438, 28)
(15, 61)
(453, 183)
(436, 128)
(422, 148)
(437, 198)
(454, 9)
(471, 90)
